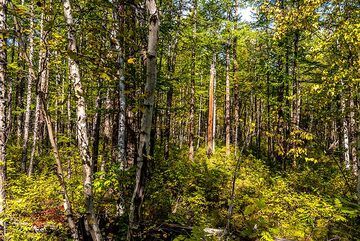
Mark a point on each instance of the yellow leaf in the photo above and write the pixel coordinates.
(131, 61)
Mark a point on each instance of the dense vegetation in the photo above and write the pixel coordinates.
(179, 120)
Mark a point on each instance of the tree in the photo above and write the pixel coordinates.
(146, 121)
(3, 62)
(82, 131)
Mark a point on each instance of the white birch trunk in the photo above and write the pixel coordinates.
(345, 133)
(29, 88)
(353, 141)
(42, 83)
(122, 98)
(82, 131)
(227, 100)
(3, 63)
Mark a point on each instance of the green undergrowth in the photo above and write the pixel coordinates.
(313, 202)
(310, 203)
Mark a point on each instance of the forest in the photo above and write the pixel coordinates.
(184, 120)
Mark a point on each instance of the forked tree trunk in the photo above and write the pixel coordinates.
(144, 142)
(40, 88)
(82, 131)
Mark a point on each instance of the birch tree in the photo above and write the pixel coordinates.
(3, 62)
(82, 131)
(146, 121)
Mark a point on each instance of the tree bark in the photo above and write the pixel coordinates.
(119, 48)
(353, 137)
(211, 109)
(345, 132)
(192, 86)
(3, 62)
(39, 88)
(29, 88)
(96, 129)
(82, 131)
(227, 99)
(169, 97)
(148, 105)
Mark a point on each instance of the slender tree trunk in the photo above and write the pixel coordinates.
(227, 99)
(96, 130)
(144, 142)
(107, 132)
(353, 140)
(40, 88)
(192, 86)
(210, 129)
(345, 132)
(3, 62)
(59, 171)
(169, 96)
(29, 88)
(83, 140)
(119, 47)
(236, 84)
(296, 87)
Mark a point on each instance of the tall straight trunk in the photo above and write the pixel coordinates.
(353, 137)
(96, 129)
(42, 68)
(119, 47)
(214, 115)
(227, 99)
(296, 87)
(3, 62)
(236, 80)
(60, 173)
(268, 117)
(148, 105)
(29, 88)
(211, 109)
(169, 97)
(107, 132)
(192, 86)
(345, 132)
(199, 119)
(82, 131)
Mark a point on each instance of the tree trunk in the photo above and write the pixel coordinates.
(192, 86)
(82, 131)
(353, 137)
(345, 131)
(96, 130)
(29, 88)
(3, 62)
(119, 47)
(169, 96)
(39, 88)
(236, 81)
(227, 99)
(59, 171)
(144, 142)
(211, 109)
